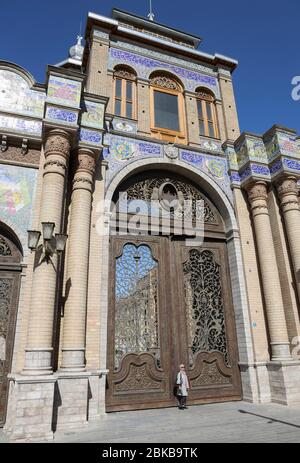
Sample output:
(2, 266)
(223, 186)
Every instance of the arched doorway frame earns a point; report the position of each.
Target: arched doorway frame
(226, 210)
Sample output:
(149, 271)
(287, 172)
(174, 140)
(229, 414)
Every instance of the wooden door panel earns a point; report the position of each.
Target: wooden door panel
(138, 350)
(208, 344)
(9, 291)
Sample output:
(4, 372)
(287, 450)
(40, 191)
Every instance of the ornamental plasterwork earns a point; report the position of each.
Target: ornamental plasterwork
(144, 67)
(167, 58)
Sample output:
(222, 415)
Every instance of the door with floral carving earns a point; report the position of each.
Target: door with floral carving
(10, 271)
(170, 302)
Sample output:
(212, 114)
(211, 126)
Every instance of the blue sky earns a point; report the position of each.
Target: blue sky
(263, 35)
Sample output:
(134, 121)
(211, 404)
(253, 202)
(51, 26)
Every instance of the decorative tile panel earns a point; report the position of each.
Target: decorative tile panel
(63, 115)
(64, 91)
(17, 189)
(215, 167)
(123, 125)
(91, 137)
(122, 151)
(22, 126)
(210, 145)
(287, 144)
(145, 66)
(92, 115)
(17, 97)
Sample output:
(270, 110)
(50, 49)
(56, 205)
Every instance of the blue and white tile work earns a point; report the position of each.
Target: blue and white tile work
(61, 115)
(214, 167)
(122, 151)
(90, 137)
(145, 66)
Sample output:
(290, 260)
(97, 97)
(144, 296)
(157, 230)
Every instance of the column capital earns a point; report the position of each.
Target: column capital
(257, 190)
(58, 142)
(287, 185)
(86, 160)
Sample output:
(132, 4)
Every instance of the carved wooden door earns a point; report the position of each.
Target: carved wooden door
(139, 353)
(205, 324)
(10, 257)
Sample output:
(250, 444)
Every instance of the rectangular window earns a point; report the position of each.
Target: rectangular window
(166, 112)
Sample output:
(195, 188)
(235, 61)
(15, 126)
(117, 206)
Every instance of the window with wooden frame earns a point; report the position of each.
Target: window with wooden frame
(167, 108)
(124, 92)
(207, 115)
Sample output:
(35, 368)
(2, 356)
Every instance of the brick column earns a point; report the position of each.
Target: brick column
(288, 194)
(38, 352)
(257, 194)
(74, 328)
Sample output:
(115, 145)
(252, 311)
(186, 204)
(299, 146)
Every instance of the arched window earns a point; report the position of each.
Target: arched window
(167, 108)
(124, 92)
(207, 116)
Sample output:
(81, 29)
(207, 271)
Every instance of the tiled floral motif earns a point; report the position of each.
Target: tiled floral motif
(16, 96)
(145, 66)
(122, 151)
(64, 91)
(242, 154)
(90, 136)
(257, 150)
(63, 115)
(17, 186)
(215, 167)
(92, 115)
(232, 159)
(273, 149)
(23, 126)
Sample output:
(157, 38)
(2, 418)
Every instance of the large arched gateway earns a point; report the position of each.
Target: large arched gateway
(170, 298)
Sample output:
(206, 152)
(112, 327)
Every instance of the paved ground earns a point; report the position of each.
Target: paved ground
(227, 422)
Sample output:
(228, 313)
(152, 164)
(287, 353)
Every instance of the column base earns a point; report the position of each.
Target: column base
(73, 359)
(280, 351)
(38, 362)
(30, 408)
(284, 382)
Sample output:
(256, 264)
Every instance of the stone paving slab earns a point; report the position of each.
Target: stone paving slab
(222, 422)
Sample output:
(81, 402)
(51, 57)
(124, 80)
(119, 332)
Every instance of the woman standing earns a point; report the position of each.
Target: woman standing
(183, 384)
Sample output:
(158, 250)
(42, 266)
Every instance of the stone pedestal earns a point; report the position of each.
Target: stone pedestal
(30, 409)
(71, 401)
(285, 382)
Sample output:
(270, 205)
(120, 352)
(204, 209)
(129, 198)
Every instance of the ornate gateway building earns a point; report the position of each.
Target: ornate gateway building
(94, 316)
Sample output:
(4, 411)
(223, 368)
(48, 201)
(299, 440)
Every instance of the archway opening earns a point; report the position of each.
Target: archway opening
(170, 297)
